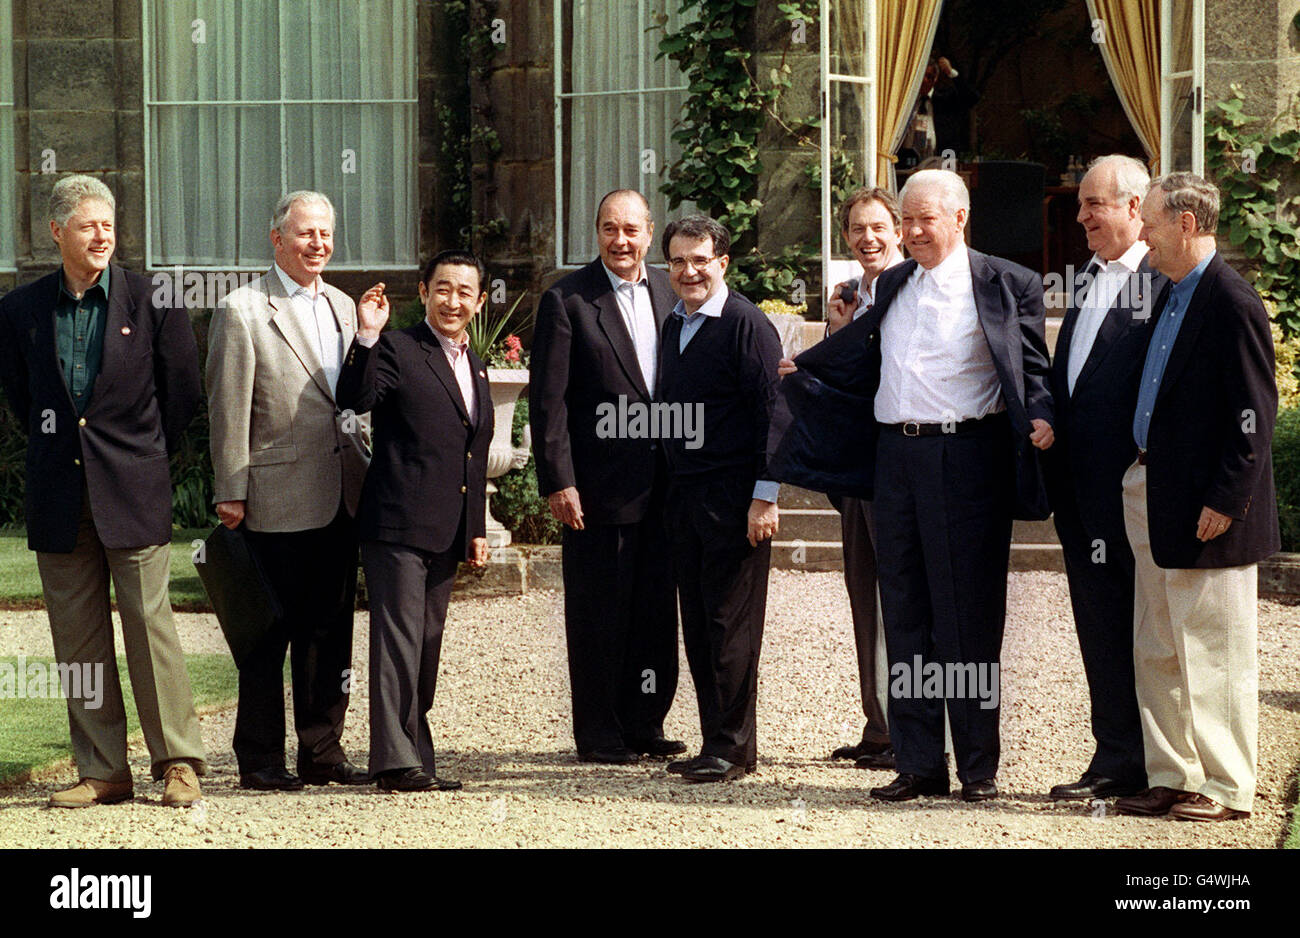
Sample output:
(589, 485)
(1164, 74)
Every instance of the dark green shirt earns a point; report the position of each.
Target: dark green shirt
(79, 337)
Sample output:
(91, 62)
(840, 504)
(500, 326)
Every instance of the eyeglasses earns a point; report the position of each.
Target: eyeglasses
(678, 264)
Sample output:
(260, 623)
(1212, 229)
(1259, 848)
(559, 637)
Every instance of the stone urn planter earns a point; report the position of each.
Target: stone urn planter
(506, 384)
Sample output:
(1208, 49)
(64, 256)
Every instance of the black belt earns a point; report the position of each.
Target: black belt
(912, 428)
(1142, 457)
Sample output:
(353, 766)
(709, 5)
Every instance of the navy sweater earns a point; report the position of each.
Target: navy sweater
(729, 367)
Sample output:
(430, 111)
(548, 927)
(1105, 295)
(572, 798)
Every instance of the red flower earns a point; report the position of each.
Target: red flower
(514, 344)
(512, 355)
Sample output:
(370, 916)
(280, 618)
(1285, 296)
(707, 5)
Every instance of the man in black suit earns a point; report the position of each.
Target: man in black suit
(1095, 374)
(595, 352)
(423, 503)
(952, 363)
(1200, 513)
(104, 380)
(718, 371)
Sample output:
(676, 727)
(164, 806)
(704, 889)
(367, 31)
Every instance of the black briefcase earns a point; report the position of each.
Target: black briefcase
(245, 604)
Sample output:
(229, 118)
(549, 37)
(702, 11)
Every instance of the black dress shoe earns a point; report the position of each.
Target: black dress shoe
(877, 760)
(345, 773)
(712, 769)
(1094, 786)
(681, 765)
(275, 778)
(985, 789)
(657, 748)
(414, 780)
(617, 755)
(863, 748)
(906, 787)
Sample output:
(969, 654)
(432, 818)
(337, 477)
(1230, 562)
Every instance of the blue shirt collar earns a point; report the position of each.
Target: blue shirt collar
(711, 307)
(102, 282)
(1183, 289)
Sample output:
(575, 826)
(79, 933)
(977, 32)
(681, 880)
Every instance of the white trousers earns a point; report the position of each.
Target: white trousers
(1194, 635)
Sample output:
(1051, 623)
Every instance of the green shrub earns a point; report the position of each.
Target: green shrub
(1286, 474)
(517, 504)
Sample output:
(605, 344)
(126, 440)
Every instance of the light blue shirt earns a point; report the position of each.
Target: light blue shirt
(712, 308)
(1161, 347)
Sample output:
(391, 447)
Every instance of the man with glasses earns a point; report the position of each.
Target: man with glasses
(718, 360)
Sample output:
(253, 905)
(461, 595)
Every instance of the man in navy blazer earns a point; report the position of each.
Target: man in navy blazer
(423, 504)
(595, 354)
(1095, 374)
(940, 393)
(1200, 512)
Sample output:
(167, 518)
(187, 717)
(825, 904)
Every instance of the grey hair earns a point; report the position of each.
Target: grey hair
(1188, 192)
(1131, 176)
(70, 191)
(305, 196)
(620, 193)
(953, 192)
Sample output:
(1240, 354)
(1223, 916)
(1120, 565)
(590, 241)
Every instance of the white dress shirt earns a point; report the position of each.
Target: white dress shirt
(639, 318)
(935, 363)
(1098, 297)
(314, 311)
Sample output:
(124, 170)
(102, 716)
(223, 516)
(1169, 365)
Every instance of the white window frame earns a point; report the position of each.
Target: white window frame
(282, 102)
(870, 145)
(1197, 91)
(8, 171)
(558, 8)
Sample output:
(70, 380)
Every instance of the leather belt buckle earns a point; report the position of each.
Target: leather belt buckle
(911, 428)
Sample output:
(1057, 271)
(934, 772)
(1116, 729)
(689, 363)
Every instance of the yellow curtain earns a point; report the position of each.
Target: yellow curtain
(1132, 56)
(904, 35)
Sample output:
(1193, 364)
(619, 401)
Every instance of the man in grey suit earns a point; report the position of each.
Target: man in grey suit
(289, 466)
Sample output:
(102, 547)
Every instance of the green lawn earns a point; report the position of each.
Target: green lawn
(20, 583)
(34, 731)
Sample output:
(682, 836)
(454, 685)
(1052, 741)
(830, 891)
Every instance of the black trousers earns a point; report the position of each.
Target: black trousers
(620, 623)
(408, 590)
(722, 588)
(1101, 595)
(943, 541)
(314, 574)
(857, 534)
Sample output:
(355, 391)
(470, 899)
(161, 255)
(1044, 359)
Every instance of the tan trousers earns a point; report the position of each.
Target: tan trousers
(1197, 677)
(76, 597)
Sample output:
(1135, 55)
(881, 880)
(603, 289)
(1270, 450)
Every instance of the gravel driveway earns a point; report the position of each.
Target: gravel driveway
(502, 725)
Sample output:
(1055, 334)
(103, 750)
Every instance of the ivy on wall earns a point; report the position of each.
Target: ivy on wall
(725, 112)
(1251, 161)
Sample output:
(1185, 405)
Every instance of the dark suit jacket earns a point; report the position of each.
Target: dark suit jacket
(582, 357)
(430, 456)
(1211, 434)
(824, 429)
(144, 397)
(1094, 426)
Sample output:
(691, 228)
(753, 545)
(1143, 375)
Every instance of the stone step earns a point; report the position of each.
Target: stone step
(822, 555)
(794, 497)
(810, 524)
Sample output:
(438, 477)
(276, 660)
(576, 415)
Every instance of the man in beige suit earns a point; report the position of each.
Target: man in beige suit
(289, 467)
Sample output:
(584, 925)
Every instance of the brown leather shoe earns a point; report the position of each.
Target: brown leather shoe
(90, 791)
(1154, 802)
(1201, 808)
(182, 786)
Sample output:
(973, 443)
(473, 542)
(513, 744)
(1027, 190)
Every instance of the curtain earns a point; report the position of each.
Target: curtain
(8, 223)
(272, 101)
(620, 136)
(904, 34)
(1132, 56)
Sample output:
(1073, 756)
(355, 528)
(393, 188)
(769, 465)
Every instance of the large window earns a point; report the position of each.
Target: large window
(248, 99)
(615, 104)
(8, 224)
(1182, 84)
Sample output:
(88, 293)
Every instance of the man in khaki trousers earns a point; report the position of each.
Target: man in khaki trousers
(1200, 513)
(104, 381)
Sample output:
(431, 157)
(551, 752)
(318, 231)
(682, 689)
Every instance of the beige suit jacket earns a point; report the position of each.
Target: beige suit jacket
(279, 443)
